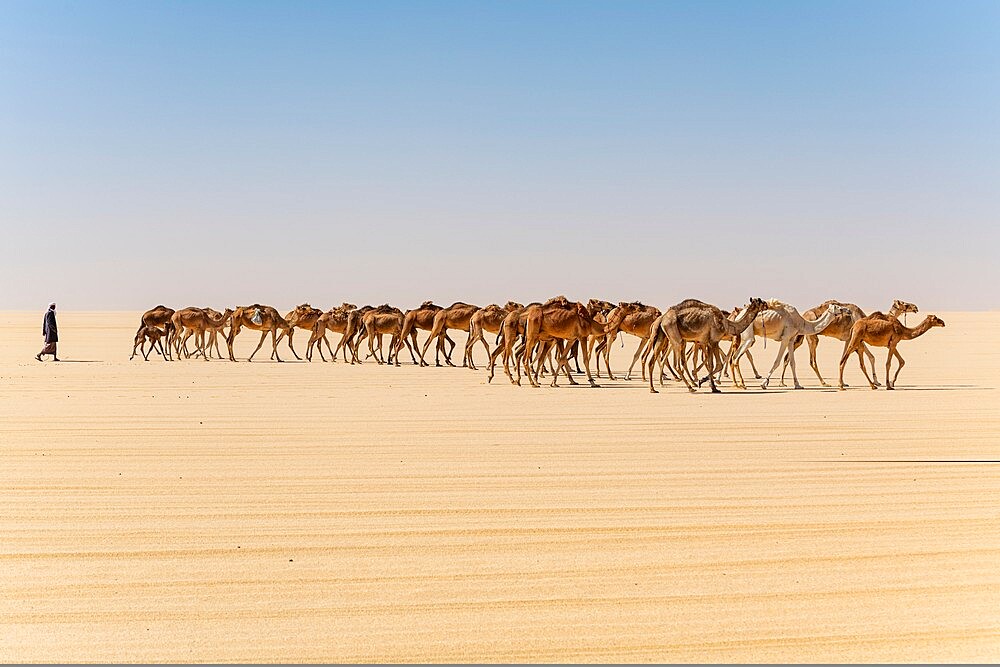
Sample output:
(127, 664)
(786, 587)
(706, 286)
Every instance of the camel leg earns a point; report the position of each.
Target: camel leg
(586, 366)
(161, 352)
(263, 335)
(813, 343)
(138, 343)
(469, 343)
(888, 365)
(656, 342)
(274, 343)
(777, 360)
(795, 377)
(451, 343)
(899, 357)
(291, 332)
(638, 352)
(680, 359)
(333, 357)
(871, 362)
(435, 332)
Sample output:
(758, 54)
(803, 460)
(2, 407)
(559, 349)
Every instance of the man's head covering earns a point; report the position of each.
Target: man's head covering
(52, 306)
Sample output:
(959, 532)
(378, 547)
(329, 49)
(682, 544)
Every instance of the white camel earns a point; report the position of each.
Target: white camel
(783, 323)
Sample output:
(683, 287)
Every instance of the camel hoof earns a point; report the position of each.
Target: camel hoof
(824, 384)
(653, 391)
(842, 387)
(888, 388)
(763, 385)
(757, 377)
(798, 386)
(594, 385)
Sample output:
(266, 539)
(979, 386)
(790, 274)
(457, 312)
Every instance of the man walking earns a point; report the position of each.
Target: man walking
(51, 333)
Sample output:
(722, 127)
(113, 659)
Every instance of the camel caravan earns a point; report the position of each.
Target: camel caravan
(682, 344)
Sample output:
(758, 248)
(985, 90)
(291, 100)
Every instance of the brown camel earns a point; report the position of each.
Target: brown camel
(153, 335)
(488, 319)
(841, 330)
(385, 320)
(197, 322)
(264, 319)
(333, 320)
(215, 324)
(354, 333)
(511, 329)
(887, 333)
(456, 316)
(702, 324)
(599, 310)
(634, 318)
(422, 317)
(303, 317)
(158, 317)
(558, 323)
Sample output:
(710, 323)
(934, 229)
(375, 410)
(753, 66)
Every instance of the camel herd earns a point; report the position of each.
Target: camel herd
(682, 343)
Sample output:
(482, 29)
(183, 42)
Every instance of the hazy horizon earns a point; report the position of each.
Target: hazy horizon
(229, 153)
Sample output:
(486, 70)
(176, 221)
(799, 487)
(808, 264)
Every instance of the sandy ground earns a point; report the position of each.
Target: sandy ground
(295, 512)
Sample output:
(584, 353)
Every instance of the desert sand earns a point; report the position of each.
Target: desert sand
(212, 511)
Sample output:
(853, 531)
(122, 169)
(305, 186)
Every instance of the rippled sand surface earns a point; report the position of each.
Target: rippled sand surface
(300, 512)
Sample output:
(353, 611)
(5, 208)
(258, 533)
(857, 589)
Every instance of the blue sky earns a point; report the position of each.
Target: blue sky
(221, 153)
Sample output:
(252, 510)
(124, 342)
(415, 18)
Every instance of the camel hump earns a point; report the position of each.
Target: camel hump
(557, 300)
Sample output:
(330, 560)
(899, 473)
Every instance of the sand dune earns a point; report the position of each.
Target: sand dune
(301, 512)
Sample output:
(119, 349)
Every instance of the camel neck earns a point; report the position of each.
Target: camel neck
(919, 330)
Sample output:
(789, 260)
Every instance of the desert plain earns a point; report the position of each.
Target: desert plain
(297, 512)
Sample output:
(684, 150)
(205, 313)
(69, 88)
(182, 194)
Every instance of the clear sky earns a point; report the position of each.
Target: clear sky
(219, 153)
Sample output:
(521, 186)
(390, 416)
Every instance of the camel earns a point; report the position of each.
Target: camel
(781, 322)
(422, 317)
(354, 332)
(558, 323)
(701, 323)
(878, 332)
(386, 320)
(215, 324)
(158, 317)
(334, 320)
(153, 335)
(456, 316)
(303, 317)
(511, 329)
(197, 322)
(633, 318)
(185, 323)
(599, 310)
(264, 319)
(488, 319)
(840, 329)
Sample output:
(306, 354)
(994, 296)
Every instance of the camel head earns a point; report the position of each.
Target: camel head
(905, 307)
(757, 305)
(935, 321)
(428, 304)
(596, 305)
(511, 306)
(347, 306)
